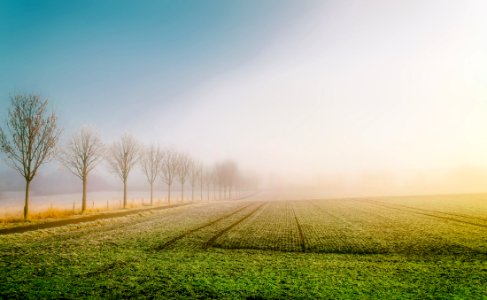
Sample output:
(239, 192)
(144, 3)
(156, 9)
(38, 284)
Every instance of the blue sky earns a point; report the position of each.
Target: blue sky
(120, 56)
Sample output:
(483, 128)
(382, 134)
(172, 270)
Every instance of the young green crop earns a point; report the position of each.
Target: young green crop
(352, 249)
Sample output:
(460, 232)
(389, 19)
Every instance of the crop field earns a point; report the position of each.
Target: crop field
(408, 247)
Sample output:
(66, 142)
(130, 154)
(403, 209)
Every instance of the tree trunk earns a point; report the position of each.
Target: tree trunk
(208, 192)
(192, 193)
(151, 192)
(182, 192)
(125, 193)
(169, 194)
(26, 205)
(83, 198)
(201, 189)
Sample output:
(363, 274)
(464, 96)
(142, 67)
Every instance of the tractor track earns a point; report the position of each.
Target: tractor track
(423, 212)
(212, 240)
(188, 232)
(300, 230)
(431, 211)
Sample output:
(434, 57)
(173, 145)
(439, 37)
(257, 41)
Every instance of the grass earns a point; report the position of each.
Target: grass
(16, 219)
(50, 213)
(353, 249)
(244, 274)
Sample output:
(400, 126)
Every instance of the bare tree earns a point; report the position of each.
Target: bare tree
(184, 163)
(30, 139)
(226, 175)
(219, 179)
(150, 160)
(122, 158)
(169, 169)
(208, 178)
(201, 179)
(82, 154)
(230, 175)
(194, 176)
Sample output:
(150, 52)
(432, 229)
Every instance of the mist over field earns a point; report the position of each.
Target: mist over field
(244, 149)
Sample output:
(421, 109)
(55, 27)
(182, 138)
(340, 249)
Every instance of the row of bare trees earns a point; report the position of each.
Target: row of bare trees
(31, 139)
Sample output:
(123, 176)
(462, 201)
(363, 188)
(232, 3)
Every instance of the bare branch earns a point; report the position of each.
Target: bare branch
(83, 152)
(31, 136)
(151, 162)
(184, 165)
(194, 172)
(123, 156)
(169, 166)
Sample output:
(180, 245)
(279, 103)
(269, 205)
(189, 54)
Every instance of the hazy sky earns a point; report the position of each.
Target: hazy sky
(316, 92)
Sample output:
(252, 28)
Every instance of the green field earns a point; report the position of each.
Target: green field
(416, 247)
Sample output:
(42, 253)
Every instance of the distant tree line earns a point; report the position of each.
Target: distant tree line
(31, 138)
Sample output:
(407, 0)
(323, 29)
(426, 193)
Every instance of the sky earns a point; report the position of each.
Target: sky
(354, 97)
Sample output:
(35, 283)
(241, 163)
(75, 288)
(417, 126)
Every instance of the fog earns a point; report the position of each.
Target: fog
(344, 98)
(359, 98)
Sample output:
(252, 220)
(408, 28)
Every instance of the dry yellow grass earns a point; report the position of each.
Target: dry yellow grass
(55, 213)
(50, 213)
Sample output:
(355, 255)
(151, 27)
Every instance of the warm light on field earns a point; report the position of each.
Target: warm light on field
(212, 149)
(381, 247)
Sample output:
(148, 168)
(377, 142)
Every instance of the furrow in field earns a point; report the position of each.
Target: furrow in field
(328, 232)
(467, 206)
(212, 240)
(400, 233)
(197, 239)
(403, 232)
(140, 231)
(271, 228)
(143, 232)
(301, 234)
(470, 218)
(190, 231)
(428, 213)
